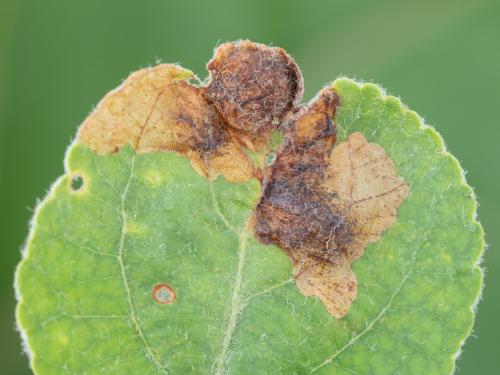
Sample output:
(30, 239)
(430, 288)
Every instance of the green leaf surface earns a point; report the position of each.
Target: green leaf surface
(96, 252)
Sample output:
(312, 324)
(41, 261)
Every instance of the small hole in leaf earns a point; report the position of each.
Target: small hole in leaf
(77, 182)
(163, 294)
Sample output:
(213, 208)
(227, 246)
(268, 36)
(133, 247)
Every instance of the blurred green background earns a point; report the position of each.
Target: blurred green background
(58, 58)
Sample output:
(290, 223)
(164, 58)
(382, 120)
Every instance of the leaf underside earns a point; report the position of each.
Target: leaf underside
(95, 254)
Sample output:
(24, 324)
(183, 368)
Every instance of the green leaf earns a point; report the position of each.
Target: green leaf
(97, 251)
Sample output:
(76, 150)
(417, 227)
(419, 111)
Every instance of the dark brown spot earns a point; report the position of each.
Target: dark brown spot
(253, 86)
(163, 294)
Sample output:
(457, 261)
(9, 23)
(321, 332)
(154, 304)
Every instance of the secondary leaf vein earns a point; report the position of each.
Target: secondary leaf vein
(370, 325)
(133, 316)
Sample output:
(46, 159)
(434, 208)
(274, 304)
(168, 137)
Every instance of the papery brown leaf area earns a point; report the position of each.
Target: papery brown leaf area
(252, 89)
(321, 203)
(255, 88)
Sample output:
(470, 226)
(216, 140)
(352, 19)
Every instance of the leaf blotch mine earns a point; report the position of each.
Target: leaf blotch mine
(251, 90)
(163, 294)
(321, 202)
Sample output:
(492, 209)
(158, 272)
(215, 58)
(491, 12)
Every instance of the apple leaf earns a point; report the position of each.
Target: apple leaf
(140, 261)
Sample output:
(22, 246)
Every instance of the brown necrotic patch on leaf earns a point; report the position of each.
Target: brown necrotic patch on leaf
(121, 115)
(294, 208)
(253, 86)
(155, 110)
(323, 204)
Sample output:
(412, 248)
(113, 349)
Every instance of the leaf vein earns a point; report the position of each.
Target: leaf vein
(235, 308)
(133, 316)
(374, 321)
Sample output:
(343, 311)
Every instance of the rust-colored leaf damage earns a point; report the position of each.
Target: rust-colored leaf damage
(252, 88)
(321, 203)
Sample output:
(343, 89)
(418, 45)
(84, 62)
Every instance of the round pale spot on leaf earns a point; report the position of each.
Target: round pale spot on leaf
(163, 294)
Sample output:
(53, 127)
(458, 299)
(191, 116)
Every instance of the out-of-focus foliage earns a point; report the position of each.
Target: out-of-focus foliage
(57, 58)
